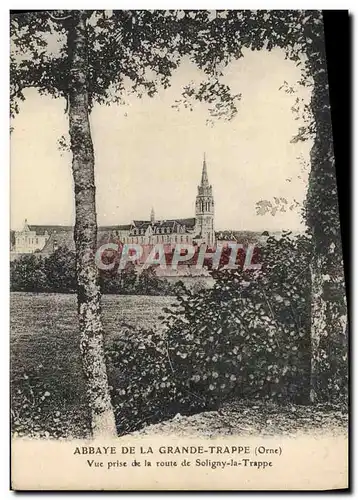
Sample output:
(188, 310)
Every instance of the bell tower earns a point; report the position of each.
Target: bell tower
(204, 208)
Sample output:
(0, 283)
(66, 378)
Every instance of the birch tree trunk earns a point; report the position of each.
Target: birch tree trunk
(88, 292)
(318, 323)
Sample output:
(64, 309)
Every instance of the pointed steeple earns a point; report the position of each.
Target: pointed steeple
(204, 174)
(152, 215)
(204, 208)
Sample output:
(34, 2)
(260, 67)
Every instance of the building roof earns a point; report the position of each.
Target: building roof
(121, 227)
(246, 237)
(59, 239)
(189, 223)
(66, 239)
(41, 230)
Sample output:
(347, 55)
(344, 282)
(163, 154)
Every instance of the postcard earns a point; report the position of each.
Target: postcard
(178, 307)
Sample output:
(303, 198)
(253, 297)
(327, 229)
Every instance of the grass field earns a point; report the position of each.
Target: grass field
(45, 359)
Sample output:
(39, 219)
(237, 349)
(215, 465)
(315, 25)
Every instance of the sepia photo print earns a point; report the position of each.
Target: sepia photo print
(178, 307)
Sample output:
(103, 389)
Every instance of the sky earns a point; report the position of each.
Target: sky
(150, 155)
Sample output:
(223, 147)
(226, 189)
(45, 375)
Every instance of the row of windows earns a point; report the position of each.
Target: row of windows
(28, 241)
(160, 230)
(157, 239)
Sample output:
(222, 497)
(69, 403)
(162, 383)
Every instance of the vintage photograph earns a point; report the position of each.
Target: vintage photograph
(176, 263)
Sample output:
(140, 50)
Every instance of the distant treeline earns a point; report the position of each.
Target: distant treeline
(57, 273)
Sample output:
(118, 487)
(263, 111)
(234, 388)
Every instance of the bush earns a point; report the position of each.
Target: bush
(27, 274)
(247, 337)
(143, 387)
(60, 270)
(57, 273)
(129, 282)
(43, 407)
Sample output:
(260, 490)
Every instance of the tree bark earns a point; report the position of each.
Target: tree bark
(318, 324)
(85, 234)
(329, 369)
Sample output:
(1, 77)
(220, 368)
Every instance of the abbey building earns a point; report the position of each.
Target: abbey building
(195, 230)
(198, 229)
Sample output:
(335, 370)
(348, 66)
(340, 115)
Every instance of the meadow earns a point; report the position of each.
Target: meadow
(46, 373)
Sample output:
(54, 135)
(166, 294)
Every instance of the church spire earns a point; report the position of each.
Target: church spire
(204, 208)
(204, 174)
(152, 215)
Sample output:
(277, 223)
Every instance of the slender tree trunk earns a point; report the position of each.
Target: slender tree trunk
(88, 292)
(329, 368)
(318, 323)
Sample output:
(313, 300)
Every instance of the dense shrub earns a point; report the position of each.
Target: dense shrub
(144, 389)
(27, 274)
(57, 273)
(332, 349)
(246, 337)
(33, 273)
(249, 335)
(60, 270)
(130, 282)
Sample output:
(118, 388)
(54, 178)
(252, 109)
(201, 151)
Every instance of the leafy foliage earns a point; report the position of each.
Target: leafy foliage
(27, 274)
(57, 273)
(249, 335)
(247, 338)
(138, 50)
(33, 273)
(131, 282)
(60, 270)
(39, 408)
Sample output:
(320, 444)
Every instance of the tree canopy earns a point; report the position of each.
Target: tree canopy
(140, 49)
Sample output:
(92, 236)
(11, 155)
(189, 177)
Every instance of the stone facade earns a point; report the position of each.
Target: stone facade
(31, 239)
(198, 229)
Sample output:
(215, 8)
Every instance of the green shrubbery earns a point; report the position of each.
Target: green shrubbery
(57, 273)
(248, 337)
(33, 273)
